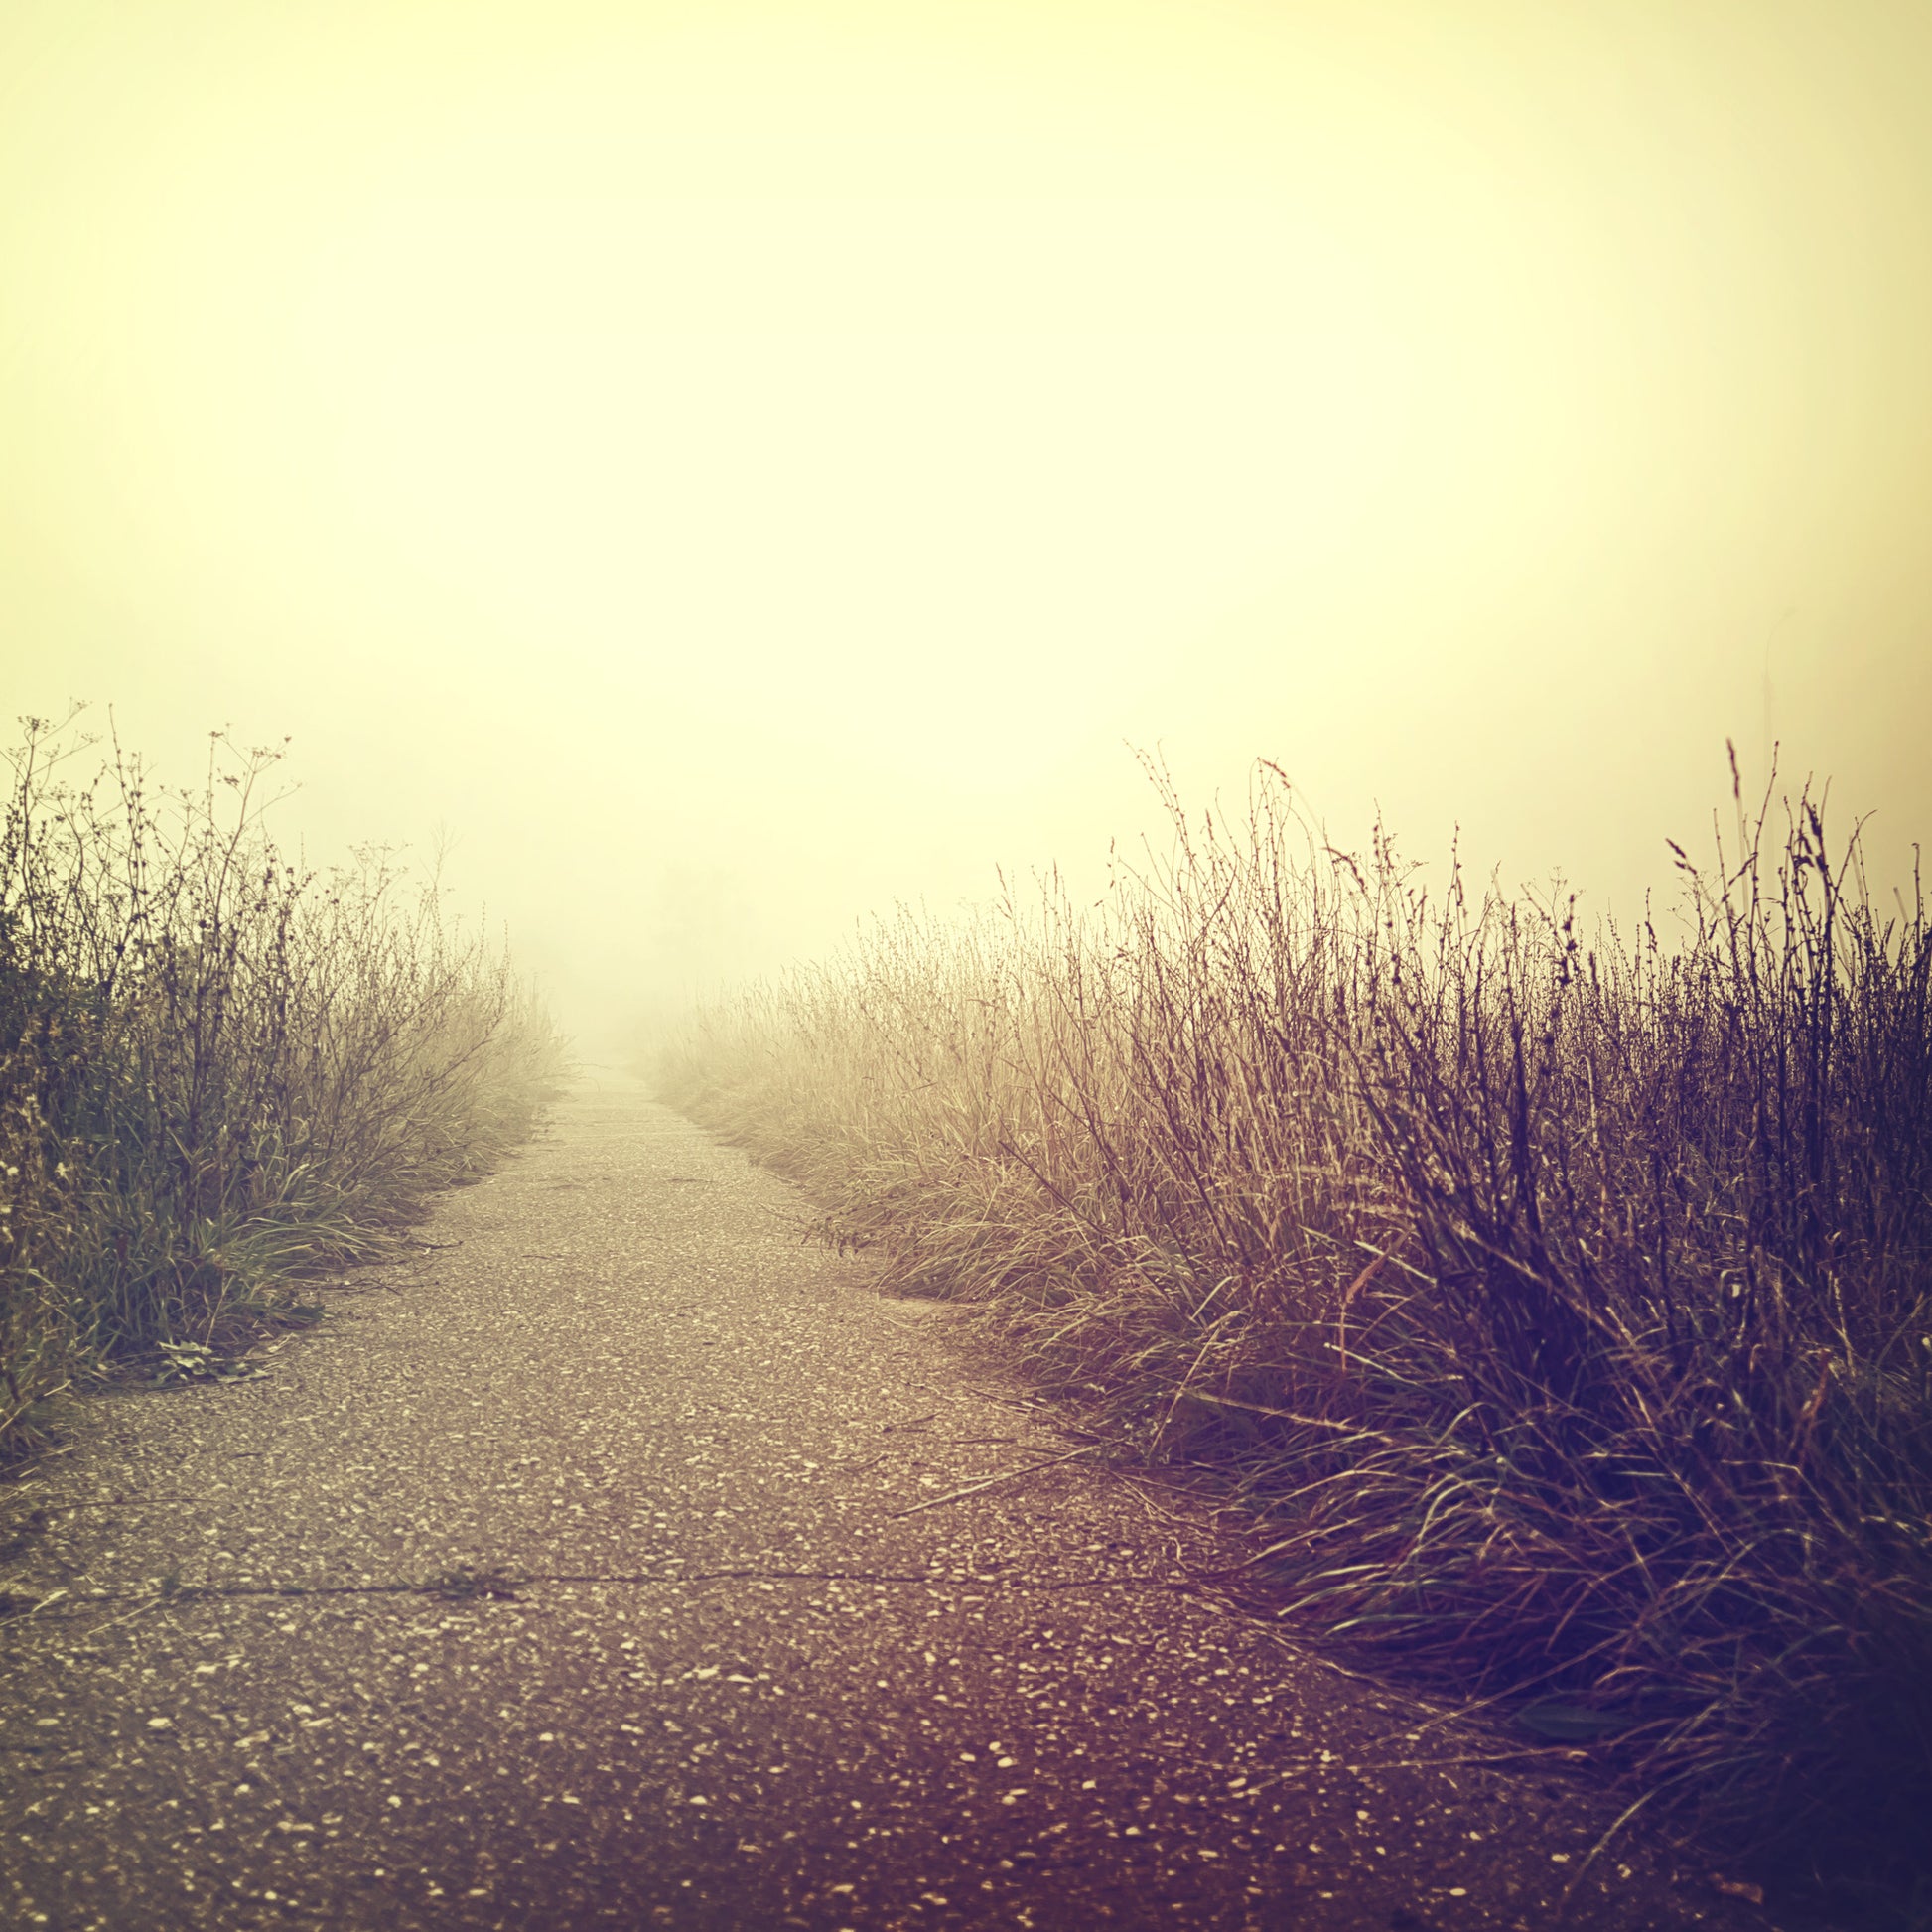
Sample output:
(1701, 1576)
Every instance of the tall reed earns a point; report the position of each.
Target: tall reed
(1562, 1304)
(218, 1069)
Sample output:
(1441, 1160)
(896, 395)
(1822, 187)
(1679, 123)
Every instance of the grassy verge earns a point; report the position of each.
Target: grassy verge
(1561, 1304)
(218, 1070)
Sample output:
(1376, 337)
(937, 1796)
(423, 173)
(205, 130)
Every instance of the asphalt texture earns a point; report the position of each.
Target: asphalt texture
(607, 1562)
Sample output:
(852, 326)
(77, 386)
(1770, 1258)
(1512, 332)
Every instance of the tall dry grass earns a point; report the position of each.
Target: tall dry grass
(1561, 1304)
(218, 1070)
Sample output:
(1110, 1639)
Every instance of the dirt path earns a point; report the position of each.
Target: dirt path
(750, 1661)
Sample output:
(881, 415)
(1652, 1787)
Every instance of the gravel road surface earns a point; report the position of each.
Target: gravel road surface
(607, 1564)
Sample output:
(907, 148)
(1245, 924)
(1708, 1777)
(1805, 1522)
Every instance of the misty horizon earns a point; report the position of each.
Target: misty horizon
(724, 475)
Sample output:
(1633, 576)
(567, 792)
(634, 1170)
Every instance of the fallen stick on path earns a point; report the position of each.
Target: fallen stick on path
(1012, 1475)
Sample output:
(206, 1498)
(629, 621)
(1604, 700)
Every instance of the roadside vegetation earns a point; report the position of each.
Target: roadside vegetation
(1559, 1300)
(220, 1070)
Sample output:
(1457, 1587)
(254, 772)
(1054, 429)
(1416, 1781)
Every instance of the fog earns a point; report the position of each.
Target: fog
(727, 469)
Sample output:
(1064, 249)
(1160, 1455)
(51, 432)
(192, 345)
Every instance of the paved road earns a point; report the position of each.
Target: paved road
(605, 1566)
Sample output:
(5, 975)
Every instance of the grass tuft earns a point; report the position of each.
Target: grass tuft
(219, 1070)
(1560, 1305)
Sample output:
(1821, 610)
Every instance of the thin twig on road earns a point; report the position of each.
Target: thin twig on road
(1012, 1475)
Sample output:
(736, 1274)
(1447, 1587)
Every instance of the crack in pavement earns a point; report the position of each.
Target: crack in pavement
(505, 1583)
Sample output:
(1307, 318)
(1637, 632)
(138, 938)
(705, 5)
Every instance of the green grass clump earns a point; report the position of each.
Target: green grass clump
(218, 1070)
(1561, 1307)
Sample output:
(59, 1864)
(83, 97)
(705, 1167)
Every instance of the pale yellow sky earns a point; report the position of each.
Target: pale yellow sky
(736, 465)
